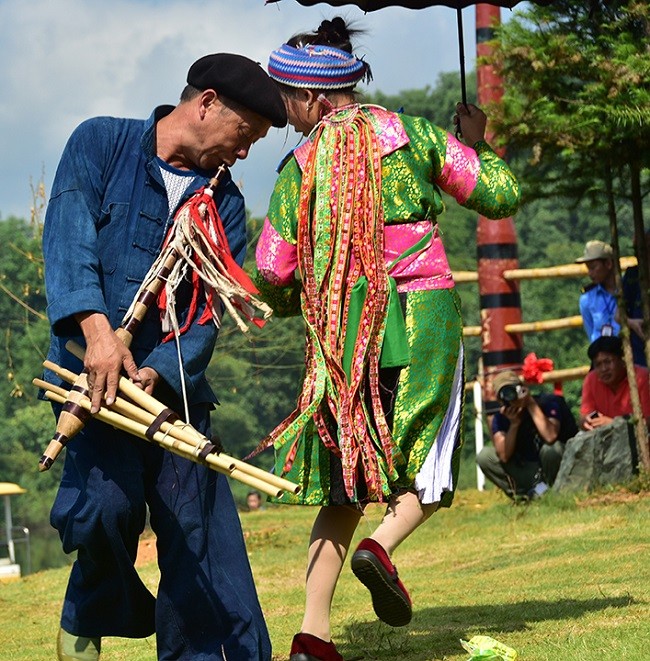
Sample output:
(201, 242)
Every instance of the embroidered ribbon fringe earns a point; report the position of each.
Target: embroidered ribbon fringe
(340, 217)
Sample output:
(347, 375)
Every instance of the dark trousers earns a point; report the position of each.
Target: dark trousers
(206, 606)
(517, 477)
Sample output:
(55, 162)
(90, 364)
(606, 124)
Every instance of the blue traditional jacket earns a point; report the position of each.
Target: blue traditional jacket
(105, 224)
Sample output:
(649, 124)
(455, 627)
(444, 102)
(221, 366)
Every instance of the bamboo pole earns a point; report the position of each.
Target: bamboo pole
(640, 427)
(561, 271)
(547, 324)
(471, 331)
(568, 374)
(465, 276)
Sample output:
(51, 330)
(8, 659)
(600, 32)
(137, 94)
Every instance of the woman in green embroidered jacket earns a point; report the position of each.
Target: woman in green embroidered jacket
(351, 242)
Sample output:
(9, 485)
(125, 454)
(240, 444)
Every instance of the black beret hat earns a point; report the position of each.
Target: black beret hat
(241, 80)
(607, 344)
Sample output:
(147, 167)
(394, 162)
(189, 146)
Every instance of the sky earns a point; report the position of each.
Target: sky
(68, 60)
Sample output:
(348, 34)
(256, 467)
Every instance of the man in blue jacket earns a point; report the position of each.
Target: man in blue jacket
(117, 187)
(597, 302)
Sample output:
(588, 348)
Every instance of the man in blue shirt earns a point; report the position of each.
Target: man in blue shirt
(598, 300)
(117, 187)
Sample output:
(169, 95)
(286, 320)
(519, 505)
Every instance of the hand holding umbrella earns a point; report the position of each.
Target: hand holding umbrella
(470, 121)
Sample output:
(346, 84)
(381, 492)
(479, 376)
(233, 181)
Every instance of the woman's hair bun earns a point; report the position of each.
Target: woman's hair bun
(329, 33)
(334, 31)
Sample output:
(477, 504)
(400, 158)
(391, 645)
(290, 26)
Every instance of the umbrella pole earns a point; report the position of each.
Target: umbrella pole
(461, 52)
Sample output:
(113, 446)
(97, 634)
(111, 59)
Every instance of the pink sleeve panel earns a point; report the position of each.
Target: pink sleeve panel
(460, 171)
(277, 259)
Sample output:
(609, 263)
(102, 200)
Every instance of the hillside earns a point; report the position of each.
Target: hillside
(563, 578)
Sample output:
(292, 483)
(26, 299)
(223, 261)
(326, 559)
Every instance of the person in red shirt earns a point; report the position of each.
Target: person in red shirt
(606, 390)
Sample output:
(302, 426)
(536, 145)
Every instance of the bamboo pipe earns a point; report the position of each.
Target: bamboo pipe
(178, 447)
(574, 321)
(124, 423)
(178, 429)
(72, 420)
(151, 404)
(148, 297)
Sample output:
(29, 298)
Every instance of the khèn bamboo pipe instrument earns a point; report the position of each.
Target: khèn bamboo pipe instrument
(179, 428)
(145, 409)
(72, 418)
(218, 462)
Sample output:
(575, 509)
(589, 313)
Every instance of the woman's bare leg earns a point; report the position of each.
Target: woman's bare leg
(403, 515)
(330, 540)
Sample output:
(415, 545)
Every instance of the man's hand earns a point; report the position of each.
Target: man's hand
(148, 379)
(599, 420)
(471, 121)
(106, 357)
(513, 411)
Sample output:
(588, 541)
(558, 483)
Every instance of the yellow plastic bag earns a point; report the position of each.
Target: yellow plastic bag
(484, 648)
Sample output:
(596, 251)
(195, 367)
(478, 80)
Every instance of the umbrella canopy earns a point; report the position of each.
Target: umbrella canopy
(373, 5)
(458, 5)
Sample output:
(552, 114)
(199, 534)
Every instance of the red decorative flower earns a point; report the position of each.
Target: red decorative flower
(534, 368)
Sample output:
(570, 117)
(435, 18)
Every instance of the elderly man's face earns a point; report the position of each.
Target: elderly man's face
(599, 269)
(228, 134)
(610, 368)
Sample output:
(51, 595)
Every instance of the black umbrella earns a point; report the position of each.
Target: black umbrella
(458, 5)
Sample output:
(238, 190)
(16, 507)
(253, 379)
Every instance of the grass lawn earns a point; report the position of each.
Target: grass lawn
(563, 578)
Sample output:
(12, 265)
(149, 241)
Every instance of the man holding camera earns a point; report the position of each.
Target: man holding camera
(528, 435)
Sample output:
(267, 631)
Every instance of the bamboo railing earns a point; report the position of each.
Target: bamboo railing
(560, 271)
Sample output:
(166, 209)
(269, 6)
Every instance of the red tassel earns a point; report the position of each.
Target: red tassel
(220, 248)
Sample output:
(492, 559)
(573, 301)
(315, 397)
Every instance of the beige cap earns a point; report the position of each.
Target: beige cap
(506, 378)
(596, 250)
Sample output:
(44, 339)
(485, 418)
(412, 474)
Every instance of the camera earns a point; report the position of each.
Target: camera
(510, 393)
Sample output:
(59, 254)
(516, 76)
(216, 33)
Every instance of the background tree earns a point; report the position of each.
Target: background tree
(576, 110)
(28, 423)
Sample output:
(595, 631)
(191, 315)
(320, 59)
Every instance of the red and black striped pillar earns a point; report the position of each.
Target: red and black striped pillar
(496, 240)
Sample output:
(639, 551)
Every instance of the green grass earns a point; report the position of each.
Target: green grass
(560, 579)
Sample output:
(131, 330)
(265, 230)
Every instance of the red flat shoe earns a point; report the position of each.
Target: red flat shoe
(306, 647)
(390, 600)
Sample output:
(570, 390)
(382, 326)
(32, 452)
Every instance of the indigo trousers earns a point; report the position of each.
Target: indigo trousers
(206, 606)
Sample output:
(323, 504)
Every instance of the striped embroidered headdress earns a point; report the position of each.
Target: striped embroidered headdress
(316, 67)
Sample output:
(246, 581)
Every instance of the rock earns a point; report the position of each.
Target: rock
(592, 459)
